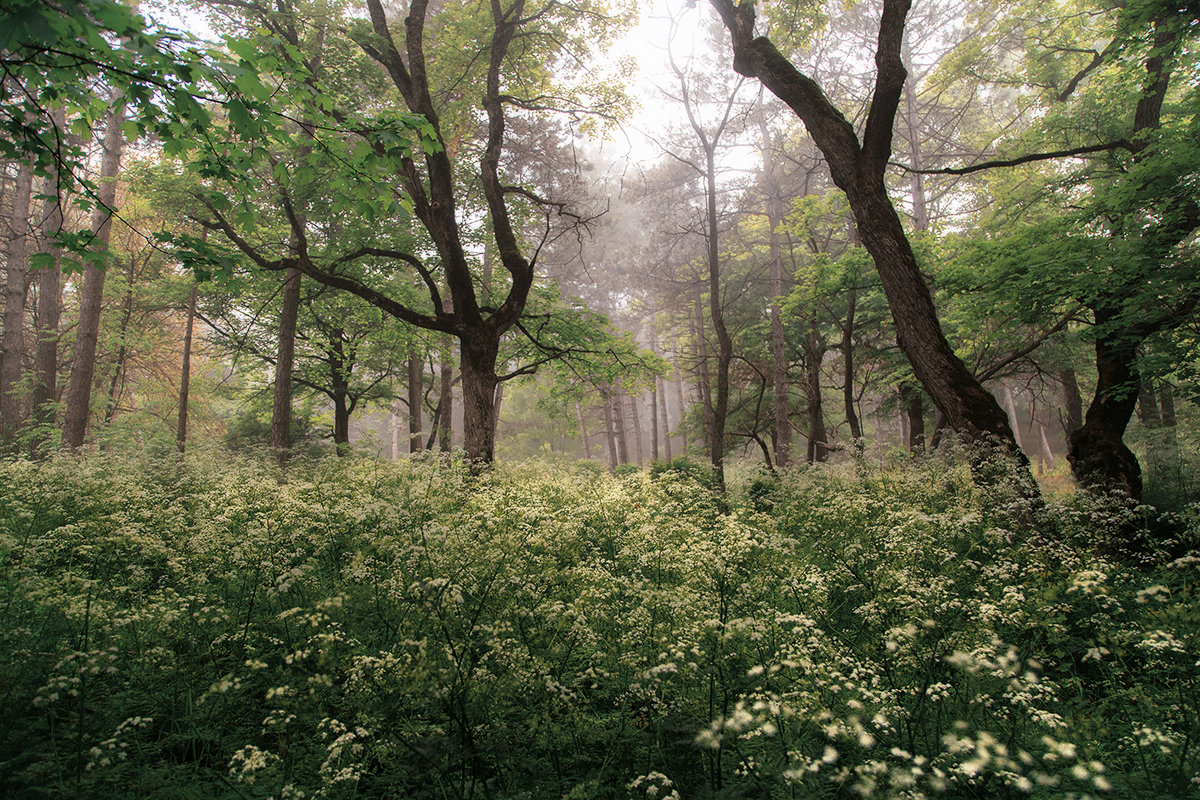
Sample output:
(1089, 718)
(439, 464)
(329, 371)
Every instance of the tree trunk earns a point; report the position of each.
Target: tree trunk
(635, 418)
(618, 415)
(117, 384)
(339, 383)
(91, 296)
(814, 348)
(1147, 406)
(702, 376)
(281, 407)
(858, 169)
(16, 289)
(847, 348)
(654, 421)
(666, 420)
(341, 422)
(1099, 457)
(679, 396)
(478, 354)
(720, 409)
(446, 418)
(779, 365)
(912, 404)
(1010, 405)
(49, 310)
(415, 393)
(1073, 402)
(610, 438)
(185, 379)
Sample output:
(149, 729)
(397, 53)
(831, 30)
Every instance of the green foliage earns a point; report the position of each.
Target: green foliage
(193, 627)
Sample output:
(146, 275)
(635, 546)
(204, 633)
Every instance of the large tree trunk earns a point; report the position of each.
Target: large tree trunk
(185, 378)
(281, 407)
(16, 289)
(479, 352)
(91, 296)
(858, 169)
(1099, 457)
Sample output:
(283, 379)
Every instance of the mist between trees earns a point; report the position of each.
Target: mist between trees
(403, 228)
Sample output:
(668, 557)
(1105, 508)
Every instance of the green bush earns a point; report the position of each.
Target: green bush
(197, 628)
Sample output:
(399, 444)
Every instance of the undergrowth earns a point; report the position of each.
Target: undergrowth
(198, 628)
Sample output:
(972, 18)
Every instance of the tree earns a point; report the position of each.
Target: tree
(430, 180)
(858, 168)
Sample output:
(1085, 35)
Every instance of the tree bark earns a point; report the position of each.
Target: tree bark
(16, 290)
(49, 311)
(618, 416)
(635, 418)
(185, 378)
(858, 169)
(446, 417)
(281, 406)
(666, 420)
(610, 438)
(1072, 401)
(654, 421)
(116, 385)
(415, 391)
(1099, 457)
(814, 350)
(679, 399)
(91, 296)
(479, 381)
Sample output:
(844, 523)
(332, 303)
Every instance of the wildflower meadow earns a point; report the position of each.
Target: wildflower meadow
(200, 627)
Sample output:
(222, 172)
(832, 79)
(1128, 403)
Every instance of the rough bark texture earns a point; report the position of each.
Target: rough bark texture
(91, 296)
(858, 169)
(1099, 457)
(479, 382)
(16, 289)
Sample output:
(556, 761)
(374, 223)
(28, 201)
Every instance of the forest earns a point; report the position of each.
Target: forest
(600, 399)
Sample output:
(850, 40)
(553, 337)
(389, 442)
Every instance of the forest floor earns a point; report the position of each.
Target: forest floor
(197, 627)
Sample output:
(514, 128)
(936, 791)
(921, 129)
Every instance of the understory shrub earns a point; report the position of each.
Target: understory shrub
(197, 628)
